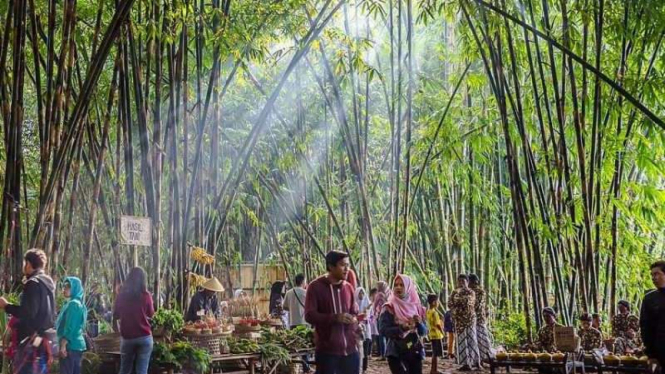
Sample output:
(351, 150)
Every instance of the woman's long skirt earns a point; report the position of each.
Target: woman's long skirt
(467, 347)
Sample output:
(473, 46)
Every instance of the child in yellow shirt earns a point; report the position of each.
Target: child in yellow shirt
(435, 327)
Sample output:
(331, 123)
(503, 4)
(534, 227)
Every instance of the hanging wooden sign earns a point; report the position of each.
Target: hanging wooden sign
(136, 231)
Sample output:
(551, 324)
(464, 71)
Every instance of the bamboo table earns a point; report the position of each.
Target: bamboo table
(630, 369)
(569, 364)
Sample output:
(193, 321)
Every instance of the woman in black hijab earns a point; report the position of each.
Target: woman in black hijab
(277, 292)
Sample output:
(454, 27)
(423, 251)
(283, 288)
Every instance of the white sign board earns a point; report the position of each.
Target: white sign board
(135, 231)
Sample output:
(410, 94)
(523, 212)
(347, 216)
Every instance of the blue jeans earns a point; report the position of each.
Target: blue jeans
(135, 353)
(333, 364)
(382, 345)
(72, 363)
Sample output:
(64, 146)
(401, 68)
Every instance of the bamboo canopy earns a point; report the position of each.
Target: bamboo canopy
(521, 141)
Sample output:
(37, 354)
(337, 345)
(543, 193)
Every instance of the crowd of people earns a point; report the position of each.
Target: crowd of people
(349, 322)
(39, 335)
(629, 334)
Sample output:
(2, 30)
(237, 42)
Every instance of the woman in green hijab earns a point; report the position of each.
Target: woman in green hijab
(69, 325)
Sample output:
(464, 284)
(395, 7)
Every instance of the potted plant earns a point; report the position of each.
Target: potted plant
(165, 322)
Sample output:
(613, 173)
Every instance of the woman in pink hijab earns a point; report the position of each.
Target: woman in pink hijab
(402, 324)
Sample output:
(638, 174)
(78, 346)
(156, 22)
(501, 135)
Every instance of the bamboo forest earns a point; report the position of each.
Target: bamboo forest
(521, 142)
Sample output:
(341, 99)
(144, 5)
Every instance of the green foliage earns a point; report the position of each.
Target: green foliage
(170, 320)
(90, 363)
(162, 356)
(509, 329)
(190, 357)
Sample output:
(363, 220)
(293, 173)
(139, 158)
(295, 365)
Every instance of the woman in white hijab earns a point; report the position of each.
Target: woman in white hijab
(365, 346)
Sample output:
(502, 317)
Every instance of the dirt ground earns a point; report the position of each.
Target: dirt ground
(445, 366)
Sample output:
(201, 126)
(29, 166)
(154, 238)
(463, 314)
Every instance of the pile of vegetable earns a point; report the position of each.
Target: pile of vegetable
(170, 321)
(242, 346)
(299, 338)
(180, 355)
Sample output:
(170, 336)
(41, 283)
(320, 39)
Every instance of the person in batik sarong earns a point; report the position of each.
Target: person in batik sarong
(482, 332)
(462, 303)
(590, 338)
(546, 333)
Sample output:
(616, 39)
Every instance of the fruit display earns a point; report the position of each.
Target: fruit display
(530, 357)
(272, 322)
(558, 357)
(245, 325)
(544, 357)
(207, 326)
(629, 360)
(611, 359)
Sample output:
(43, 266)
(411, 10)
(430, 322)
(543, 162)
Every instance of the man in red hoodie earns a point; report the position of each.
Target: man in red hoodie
(331, 309)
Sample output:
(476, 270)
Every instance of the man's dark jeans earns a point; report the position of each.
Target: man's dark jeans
(333, 364)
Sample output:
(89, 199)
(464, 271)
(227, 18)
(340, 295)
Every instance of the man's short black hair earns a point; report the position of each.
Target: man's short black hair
(473, 278)
(333, 257)
(36, 258)
(585, 317)
(300, 278)
(463, 276)
(658, 264)
(595, 315)
(373, 291)
(432, 298)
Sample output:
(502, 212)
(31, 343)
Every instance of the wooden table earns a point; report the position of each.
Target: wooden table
(569, 364)
(631, 369)
(249, 361)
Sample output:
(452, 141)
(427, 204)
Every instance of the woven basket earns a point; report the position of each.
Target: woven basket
(208, 342)
(107, 343)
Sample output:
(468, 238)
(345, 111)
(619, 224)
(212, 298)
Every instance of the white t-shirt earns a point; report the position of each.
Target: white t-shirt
(294, 301)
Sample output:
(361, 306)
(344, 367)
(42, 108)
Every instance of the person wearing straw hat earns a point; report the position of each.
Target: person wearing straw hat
(205, 301)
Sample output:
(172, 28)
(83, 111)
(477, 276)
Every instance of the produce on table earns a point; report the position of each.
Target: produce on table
(544, 357)
(249, 322)
(629, 360)
(558, 357)
(299, 338)
(242, 346)
(611, 359)
(208, 326)
(274, 353)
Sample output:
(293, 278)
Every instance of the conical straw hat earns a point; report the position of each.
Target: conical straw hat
(213, 284)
